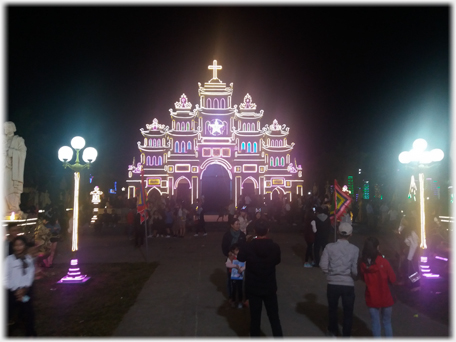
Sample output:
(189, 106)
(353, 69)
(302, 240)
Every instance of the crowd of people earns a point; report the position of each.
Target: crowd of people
(250, 255)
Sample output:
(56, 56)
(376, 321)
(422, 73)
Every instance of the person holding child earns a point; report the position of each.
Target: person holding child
(234, 235)
(261, 255)
(236, 271)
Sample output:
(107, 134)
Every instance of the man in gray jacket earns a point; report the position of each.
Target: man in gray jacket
(339, 262)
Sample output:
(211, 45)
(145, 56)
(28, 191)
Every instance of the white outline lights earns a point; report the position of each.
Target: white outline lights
(215, 132)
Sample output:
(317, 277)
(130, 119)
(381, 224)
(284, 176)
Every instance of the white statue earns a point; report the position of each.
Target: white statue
(14, 151)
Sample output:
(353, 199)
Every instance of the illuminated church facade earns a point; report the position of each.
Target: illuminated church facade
(217, 150)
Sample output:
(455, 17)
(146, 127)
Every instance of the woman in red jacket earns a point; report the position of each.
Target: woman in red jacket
(377, 273)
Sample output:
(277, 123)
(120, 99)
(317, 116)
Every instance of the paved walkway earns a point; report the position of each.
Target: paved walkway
(186, 295)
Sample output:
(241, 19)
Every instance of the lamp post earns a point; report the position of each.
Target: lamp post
(421, 159)
(89, 155)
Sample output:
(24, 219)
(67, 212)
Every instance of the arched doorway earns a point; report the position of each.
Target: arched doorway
(154, 195)
(216, 185)
(248, 187)
(183, 190)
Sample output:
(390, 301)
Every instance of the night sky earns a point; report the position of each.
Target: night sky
(360, 80)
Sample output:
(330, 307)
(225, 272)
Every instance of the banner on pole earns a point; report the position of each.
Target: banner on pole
(341, 203)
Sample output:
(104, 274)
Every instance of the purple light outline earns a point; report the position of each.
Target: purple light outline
(441, 258)
(431, 275)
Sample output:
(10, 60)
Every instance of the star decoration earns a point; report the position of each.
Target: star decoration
(216, 126)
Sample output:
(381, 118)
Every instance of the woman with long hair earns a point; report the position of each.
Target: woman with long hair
(378, 274)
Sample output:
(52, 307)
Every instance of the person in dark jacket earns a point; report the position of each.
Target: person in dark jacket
(323, 225)
(232, 236)
(261, 256)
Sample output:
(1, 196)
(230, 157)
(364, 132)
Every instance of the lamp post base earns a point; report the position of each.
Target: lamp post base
(74, 275)
(73, 280)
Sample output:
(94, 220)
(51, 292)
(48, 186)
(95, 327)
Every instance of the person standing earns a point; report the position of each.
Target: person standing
(377, 273)
(339, 262)
(370, 216)
(131, 224)
(19, 274)
(201, 225)
(50, 222)
(243, 221)
(261, 256)
(309, 237)
(234, 235)
(231, 210)
(323, 225)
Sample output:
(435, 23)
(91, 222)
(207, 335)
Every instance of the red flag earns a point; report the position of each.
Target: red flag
(341, 202)
(141, 202)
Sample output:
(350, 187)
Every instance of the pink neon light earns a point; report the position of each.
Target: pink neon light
(425, 270)
(431, 275)
(74, 262)
(424, 266)
(424, 259)
(441, 258)
(73, 269)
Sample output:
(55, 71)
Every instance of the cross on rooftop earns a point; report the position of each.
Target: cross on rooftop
(214, 68)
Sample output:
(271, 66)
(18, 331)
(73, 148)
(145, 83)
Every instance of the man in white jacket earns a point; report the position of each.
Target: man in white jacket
(339, 262)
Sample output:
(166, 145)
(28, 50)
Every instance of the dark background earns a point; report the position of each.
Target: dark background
(356, 84)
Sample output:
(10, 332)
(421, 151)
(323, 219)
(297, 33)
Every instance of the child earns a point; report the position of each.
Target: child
(235, 269)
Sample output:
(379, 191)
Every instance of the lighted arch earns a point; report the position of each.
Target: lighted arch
(159, 142)
(176, 147)
(208, 103)
(145, 141)
(243, 126)
(189, 146)
(178, 126)
(182, 178)
(218, 161)
(277, 189)
(154, 160)
(255, 183)
(216, 103)
(249, 145)
(183, 147)
(282, 161)
(188, 126)
(152, 188)
(243, 146)
(222, 103)
(272, 161)
(277, 161)
(148, 160)
(160, 162)
(254, 147)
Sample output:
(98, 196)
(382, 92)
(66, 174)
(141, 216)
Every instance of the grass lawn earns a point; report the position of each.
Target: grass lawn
(94, 308)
